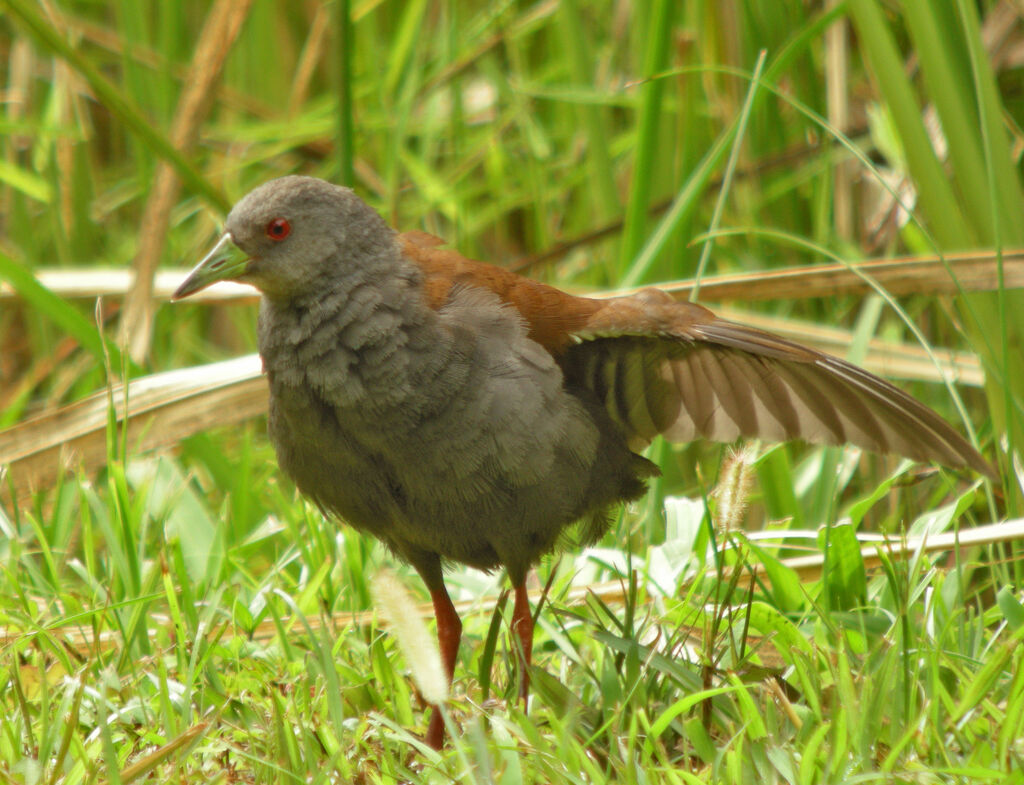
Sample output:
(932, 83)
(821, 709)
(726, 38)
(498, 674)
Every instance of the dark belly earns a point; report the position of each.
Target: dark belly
(415, 494)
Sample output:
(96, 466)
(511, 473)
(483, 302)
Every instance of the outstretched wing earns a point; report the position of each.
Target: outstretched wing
(673, 368)
(694, 375)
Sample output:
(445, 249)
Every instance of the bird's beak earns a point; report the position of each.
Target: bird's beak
(225, 262)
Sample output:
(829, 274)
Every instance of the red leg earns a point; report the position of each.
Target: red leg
(522, 625)
(449, 633)
(449, 629)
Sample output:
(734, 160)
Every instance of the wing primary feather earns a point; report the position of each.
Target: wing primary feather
(721, 380)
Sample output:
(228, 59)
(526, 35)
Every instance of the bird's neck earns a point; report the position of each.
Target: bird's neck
(360, 340)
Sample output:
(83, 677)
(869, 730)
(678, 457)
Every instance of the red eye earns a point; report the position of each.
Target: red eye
(278, 229)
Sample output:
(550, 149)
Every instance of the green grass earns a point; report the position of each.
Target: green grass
(186, 616)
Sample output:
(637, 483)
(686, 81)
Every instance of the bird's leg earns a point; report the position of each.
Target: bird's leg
(449, 629)
(522, 626)
(449, 633)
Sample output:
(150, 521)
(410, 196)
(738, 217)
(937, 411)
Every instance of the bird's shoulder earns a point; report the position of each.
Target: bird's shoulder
(555, 319)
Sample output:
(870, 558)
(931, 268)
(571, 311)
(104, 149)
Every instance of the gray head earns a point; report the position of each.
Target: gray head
(290, 236)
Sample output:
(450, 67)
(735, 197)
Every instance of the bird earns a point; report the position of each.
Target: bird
(462, 413)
